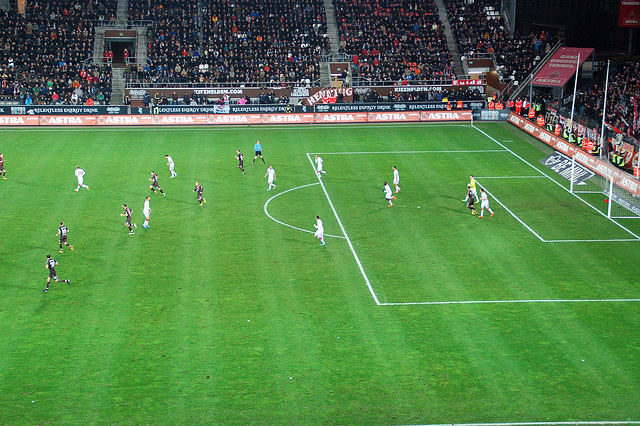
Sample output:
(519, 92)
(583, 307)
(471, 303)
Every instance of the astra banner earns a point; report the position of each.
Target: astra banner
(629, 16)
(561, 67)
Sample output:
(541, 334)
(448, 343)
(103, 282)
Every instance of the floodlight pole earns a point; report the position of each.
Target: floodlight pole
(604, 110)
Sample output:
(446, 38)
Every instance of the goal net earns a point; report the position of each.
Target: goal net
(622, 203)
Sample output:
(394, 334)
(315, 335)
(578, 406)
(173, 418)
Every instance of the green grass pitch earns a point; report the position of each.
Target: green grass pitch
(419, 313)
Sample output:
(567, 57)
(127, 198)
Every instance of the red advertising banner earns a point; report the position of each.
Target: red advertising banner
(68, 120)
(287, 118)
(620, 177)
(19, 120)
(230, 119)
(629, 16)
(557, 71)
(445, 116)
(354, 117)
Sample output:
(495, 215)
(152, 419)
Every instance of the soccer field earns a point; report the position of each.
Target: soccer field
(233, 313)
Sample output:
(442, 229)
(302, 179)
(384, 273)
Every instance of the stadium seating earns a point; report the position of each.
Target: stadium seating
(393, 40)
(479, 28)
(50, 53)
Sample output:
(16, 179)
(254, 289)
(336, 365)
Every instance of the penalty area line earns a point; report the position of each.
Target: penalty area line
(286, 224)
(576, 423)
(344, 232)
(414, 152)
(489, 302)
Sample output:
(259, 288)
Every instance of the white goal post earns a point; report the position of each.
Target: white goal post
(621, 192)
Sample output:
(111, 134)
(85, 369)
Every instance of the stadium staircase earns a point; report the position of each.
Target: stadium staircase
(451, 40)
(122, 15)
(332, 33)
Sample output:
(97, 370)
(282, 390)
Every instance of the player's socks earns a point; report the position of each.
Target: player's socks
(264, 161)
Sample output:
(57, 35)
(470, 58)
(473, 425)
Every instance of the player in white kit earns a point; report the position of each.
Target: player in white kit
(396, 179)
(171, 165)
(146, 210)
(271, 176)
(484, 203)
(319, 230)
(388, 194)
(319, 161)
(80, 175)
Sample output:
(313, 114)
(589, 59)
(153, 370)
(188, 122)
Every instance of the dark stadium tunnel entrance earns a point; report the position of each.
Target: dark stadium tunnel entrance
(118, 48)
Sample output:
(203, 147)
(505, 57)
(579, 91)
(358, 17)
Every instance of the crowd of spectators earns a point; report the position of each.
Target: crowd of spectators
(393, 40)
(623, 99)
(172, 50)
(478, 28)
(46, 55)
(242, 41)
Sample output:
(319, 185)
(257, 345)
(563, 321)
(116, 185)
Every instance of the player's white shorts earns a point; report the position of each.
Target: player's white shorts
(319, 233)
(484, 204)
(269, 181)
(146, 214)
(396, 182)
(80, 180)
(171, 166)
(319, 167)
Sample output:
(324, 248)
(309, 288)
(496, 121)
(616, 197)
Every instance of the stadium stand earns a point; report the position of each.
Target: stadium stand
(623, 93)
(45, 58)
(242, 42)
(479, 28)
(173, 54)
(393, 41)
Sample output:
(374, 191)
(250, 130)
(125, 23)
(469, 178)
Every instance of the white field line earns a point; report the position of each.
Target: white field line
(489, 302)
(218, 127)
(353, 251)
(513, 214)
(511, 177)
(568, 423)
(413, 152)
(286, 224)
(554, 181)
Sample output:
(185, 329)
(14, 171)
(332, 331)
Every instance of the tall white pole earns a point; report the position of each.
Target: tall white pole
(604, 110)
(610, 197)
(575, 89)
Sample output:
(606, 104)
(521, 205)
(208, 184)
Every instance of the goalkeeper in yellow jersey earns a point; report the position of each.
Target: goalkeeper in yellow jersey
(472, 188)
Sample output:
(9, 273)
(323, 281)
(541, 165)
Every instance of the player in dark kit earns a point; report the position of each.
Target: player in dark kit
(470, 200)
(62, 232)
(127, 214)
(154, 184)
(240, 159)
(3, 172)
(198, 191)
(51, 266)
